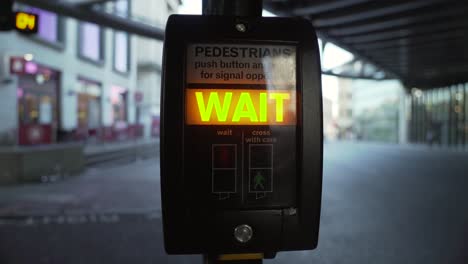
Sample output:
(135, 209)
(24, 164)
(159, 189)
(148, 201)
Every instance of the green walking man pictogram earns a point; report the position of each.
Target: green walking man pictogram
(259, 181)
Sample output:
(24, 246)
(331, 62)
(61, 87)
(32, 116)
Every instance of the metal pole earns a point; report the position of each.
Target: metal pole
(214, 259)
(241, 8)
(238, 8)
(6, 15)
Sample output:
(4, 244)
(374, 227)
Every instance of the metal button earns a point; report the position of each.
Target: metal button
(243, 233)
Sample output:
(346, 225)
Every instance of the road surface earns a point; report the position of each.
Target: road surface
(381, 204)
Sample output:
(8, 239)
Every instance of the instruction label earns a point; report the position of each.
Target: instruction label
(242, 64)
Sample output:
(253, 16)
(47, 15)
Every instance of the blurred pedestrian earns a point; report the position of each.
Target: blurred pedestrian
(433, 133)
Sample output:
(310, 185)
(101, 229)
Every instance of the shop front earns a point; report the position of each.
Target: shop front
(89, 122)
(119, 97)
(121, 129)
(37, 95)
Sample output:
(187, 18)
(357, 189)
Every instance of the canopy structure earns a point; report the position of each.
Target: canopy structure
(424, 43)
(421, 42)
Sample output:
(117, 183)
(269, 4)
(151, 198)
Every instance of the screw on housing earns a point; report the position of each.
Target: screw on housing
(241, 27)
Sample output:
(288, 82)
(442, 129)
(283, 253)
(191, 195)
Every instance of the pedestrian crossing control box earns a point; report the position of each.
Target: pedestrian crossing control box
(241, 135)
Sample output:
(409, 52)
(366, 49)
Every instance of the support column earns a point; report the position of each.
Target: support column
(242, 8)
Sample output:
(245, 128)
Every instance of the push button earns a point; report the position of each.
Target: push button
(243, 233)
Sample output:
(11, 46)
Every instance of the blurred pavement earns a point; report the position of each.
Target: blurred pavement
(381, 204)
(115, 188)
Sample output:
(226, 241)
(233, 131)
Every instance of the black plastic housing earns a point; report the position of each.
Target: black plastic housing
(189, 230)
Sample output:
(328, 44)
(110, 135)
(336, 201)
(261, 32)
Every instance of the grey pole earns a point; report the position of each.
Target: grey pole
(241, 8)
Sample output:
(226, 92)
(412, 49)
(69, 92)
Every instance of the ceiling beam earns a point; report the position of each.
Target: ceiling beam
(426, 52)
(426, 19)
(442, 38)
(85, 2)
(426, 34)
(315, 9)
(435, 83)
(426, 62)
(350, 76)
(427, 47)
(373, 13)
(430, 10)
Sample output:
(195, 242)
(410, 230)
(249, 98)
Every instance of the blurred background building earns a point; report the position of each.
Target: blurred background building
(79, 131)
(368, 110)
(439, 116)
(345, 109)
(149, 62)
(329, 126)
(77, 81)
(376, 110)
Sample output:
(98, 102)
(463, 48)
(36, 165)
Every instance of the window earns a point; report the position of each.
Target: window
(121, 52)
(465, 127)
(50, 26)
(89, 106)
(91, 40)
(121, 8)
(121, 56)
(119, 104)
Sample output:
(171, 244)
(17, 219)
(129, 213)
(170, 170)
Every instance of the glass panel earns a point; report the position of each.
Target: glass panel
(48, 25)
(94, 112)
(89, 106)
(45, 110)
(121, 52)
(465, 125)
(460, 112)
(453, 116)
(445, 115)
(119, 104)
(121, 7)
(90, 41)
(48, 28)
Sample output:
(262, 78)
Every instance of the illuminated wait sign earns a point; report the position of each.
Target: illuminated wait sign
(240, 107)
(26, 22)
(240, 84)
